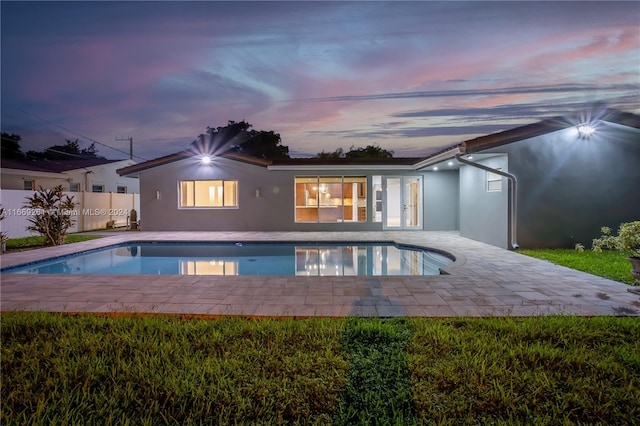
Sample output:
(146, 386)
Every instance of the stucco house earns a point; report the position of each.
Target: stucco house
(76, 175)
(548, 184)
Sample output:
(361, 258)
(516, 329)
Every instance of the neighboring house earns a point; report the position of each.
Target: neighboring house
(567, 184)
(103, 198)
(77, 175)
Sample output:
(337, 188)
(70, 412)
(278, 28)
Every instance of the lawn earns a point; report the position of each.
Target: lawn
(608, 264)
(34, 242)
(64, 369)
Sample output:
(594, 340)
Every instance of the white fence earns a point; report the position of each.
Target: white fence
(93, 211)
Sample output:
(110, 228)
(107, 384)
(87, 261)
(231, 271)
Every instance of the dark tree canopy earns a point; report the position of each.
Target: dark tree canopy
(370, 151)
(11, 147)
(69, 151)
(240, 137)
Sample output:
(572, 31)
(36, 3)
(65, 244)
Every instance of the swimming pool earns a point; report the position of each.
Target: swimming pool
(290, 258)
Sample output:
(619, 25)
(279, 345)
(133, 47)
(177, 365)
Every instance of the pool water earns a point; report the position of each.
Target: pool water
(302, 259)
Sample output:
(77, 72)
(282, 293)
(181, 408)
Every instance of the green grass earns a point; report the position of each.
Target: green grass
(62, 369)
(540, 370)
(377, 384)
(89, 370)
(608, 264)
(38, 241)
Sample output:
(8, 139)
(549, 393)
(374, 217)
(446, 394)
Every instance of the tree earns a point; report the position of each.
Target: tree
(11, 146)
(338, 153)
(370, 151)
(240, 137)
(69, 151)
(53, 214)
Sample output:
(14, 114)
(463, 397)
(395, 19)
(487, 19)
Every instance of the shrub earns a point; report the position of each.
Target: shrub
(53, 214)
(627, 240)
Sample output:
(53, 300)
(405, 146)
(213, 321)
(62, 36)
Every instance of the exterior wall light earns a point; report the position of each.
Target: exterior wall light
(206, 160)
(585, 130)
(435, 168)
(450, 163)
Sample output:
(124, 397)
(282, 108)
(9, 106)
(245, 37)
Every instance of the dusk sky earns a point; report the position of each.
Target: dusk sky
(407, 76)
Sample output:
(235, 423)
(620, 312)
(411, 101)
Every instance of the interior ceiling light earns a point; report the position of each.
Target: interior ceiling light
(586, 130)
(205, 160)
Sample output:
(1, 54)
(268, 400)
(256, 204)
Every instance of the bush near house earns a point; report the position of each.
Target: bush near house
(53, 214)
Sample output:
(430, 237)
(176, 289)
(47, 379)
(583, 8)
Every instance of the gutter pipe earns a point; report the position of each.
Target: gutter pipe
(512, 194)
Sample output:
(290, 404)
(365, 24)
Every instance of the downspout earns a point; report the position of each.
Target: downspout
(512, 194)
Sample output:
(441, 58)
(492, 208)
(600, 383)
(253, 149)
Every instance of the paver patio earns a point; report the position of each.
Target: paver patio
(484, 281)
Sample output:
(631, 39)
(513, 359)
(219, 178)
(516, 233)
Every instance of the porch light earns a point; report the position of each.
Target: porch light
(435, 169)
(450, 163)
(586, 130)
(206, 160)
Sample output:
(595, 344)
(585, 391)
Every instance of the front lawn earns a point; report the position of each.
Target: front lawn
(608, 264)
(63, 369)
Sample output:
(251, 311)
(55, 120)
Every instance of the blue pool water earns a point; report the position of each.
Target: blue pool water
(326, 259)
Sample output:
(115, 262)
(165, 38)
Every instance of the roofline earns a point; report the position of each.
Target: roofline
(369, 166)
(554, 124)
(182, 155)
(36, 173)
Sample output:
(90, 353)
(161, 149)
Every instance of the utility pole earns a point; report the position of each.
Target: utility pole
(130, 139)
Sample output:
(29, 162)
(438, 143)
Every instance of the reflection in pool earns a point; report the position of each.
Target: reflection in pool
(170, 258)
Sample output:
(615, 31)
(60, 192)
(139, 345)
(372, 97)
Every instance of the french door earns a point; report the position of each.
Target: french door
(402, 202)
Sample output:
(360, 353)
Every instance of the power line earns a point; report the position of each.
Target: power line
(76, 133)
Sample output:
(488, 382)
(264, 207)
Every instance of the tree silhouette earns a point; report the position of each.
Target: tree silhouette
(240, 137)
(370, 151)
(69, 151)
(11, 147)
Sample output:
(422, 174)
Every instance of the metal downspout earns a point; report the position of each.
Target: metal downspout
(512, 194)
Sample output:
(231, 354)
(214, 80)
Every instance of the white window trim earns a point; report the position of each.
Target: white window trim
(491, 178)
(98, 184)
(126, 189)
(342, 177)
(236, 207)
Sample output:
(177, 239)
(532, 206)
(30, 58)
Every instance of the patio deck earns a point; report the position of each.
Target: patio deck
(484, 281)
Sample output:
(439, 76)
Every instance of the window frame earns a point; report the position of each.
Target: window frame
(324, 207)
(118, 187)
(77, 185)
(493, 178)
(32, 182)
(94, 186)
(222, 185)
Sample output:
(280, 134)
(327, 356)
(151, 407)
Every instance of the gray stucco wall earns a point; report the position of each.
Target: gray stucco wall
(483, 214)
(273, 209)
(569, 187)
(441, 192)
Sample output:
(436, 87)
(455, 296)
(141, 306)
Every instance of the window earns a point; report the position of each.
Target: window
(74, 187)
(29, 185)
(121, 189)
(376, 183)
(494, 182)
(97, 188)
(208, 193)
(331, 199)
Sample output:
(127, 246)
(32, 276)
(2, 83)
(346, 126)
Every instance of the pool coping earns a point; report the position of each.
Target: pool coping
(483, 281)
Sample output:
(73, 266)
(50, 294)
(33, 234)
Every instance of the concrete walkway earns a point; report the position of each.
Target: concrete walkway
(484, 281)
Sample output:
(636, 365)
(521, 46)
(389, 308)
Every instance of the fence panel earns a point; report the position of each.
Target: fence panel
(93, 211)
